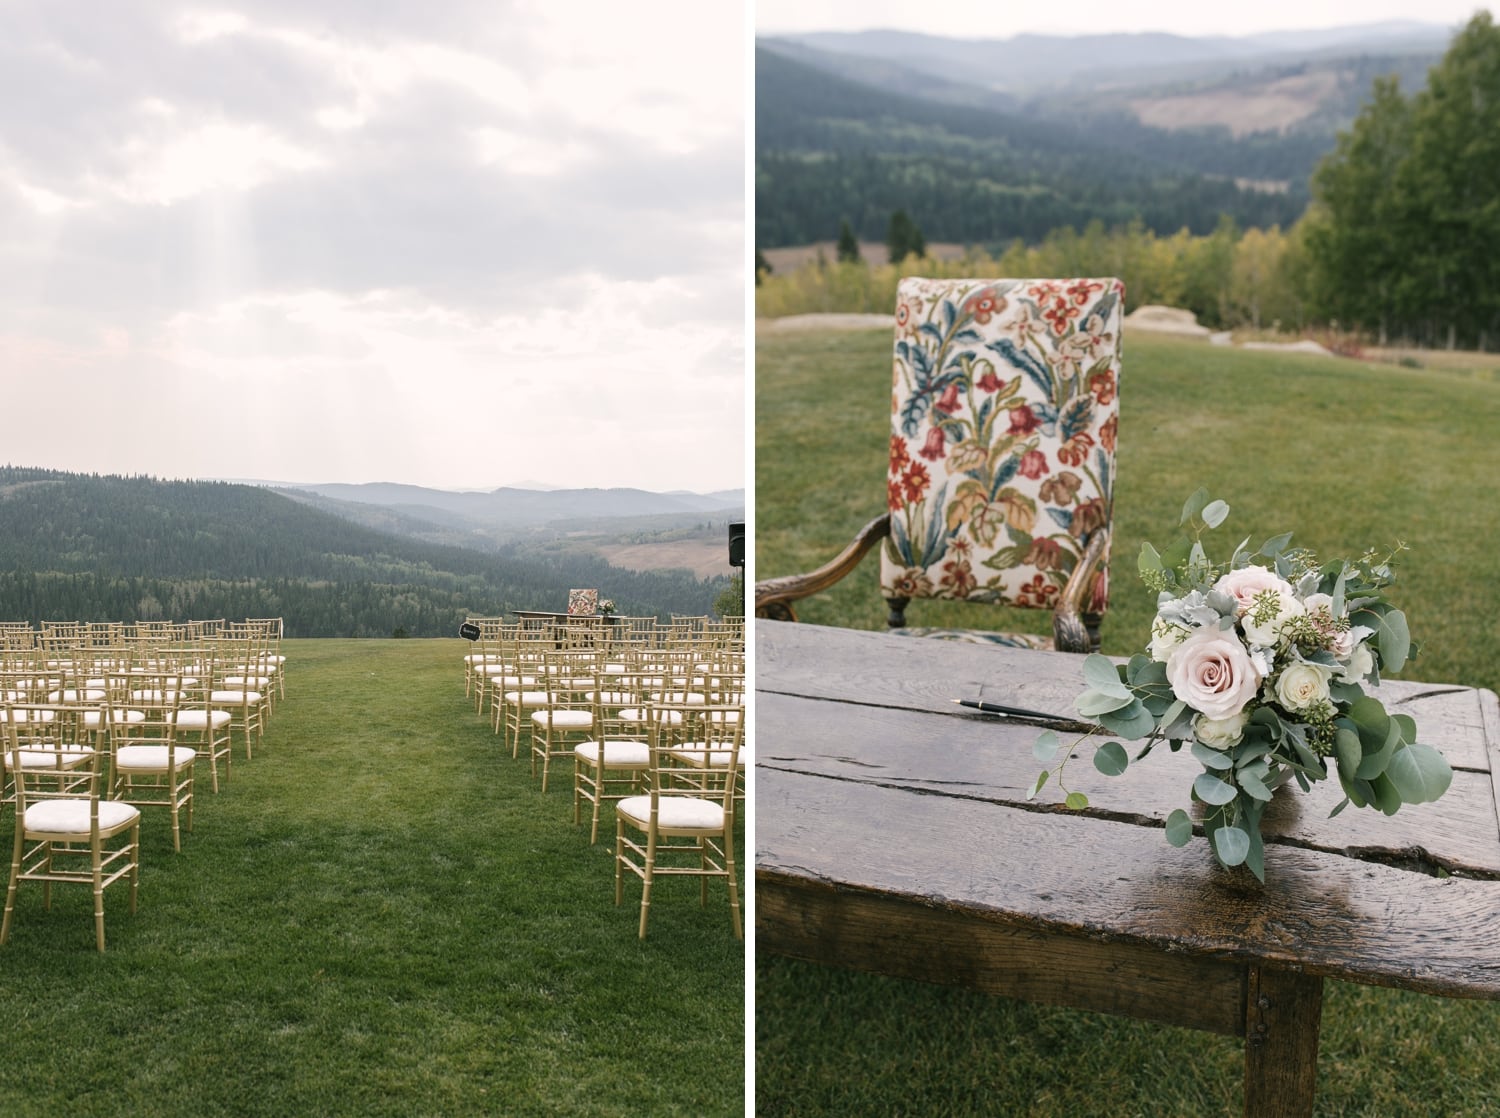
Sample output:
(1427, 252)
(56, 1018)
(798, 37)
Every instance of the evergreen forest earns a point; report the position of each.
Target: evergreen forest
(1389, 232)
(85, 547)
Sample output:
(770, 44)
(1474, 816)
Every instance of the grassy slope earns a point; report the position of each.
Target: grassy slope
(380, 915)
(1347, 455)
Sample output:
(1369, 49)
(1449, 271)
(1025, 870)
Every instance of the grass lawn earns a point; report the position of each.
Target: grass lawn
(380, 914)
(1348, 455)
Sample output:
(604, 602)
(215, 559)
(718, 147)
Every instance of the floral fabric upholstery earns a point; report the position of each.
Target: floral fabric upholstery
(582, 603)
(1004, 411)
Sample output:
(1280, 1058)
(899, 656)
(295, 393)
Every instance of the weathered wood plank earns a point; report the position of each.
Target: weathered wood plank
(1112, 882)
(963, 753)
(1282, 1015)
(904, 938)
(917, 674)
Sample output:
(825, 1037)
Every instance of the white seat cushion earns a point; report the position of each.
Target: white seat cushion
(68, 757)
(235, 697)
(71, 695)
(564, 719)
(526, 698)
(71, 817)
(695, 755)
(197, 719)
(619, 753)
(677, 813)
(25, 716)
(638, 714)
(117, 716)
(151, 758)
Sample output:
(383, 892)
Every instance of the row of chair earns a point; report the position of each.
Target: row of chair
(93, 733)
(653, 722)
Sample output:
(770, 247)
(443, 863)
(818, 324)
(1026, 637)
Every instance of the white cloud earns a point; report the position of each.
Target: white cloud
(357, 228)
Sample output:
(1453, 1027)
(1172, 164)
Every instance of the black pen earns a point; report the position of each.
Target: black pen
(1019, 712)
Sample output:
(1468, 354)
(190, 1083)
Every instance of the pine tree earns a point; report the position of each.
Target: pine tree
(903, 238)
(848, 249)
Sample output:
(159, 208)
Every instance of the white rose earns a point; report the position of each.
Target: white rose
(1165, 636)
(1361, 664)
(1221, 733)
(1263, 621)
(1243, 584)
(1302, 685)
(1211, 672)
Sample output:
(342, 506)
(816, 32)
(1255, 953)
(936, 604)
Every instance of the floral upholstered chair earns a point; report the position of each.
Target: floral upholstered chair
(1003, 421)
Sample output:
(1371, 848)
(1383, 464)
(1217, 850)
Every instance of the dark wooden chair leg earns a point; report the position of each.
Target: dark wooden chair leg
(1283, 1012)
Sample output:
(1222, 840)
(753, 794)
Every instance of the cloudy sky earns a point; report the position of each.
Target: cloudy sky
(461, 243)
(990, 20)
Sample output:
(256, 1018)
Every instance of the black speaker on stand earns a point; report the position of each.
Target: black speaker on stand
(736, 543)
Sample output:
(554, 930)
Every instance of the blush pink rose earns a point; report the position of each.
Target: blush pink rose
(1242, 585)
(1212, 673)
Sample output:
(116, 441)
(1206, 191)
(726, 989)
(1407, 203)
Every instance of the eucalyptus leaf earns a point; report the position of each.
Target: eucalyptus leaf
(1150, 559)
(1231, 844)
(1179, 827)
(1037, 787)
(1274, 546)
(1131, 722)
(1215, 513)
(1420, 773)
(1193, 506)
(1076, 801)
(1211, 790)
(1046, 745)
(1250, 780)
(1211, 758)
(1111, 758)
(1375, 763)
(1346, 747)
(1387, 797)
(1101, 675)
(1092, 703)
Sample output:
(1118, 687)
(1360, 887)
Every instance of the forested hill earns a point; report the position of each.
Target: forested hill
(88, 547)
(830, 149)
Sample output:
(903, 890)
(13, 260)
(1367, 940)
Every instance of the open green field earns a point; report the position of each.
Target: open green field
(380, 914)
(1347, 455)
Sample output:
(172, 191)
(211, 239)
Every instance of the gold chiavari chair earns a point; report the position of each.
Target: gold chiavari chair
(681, 829)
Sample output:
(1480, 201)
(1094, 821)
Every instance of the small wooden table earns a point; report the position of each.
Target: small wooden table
(893, 835)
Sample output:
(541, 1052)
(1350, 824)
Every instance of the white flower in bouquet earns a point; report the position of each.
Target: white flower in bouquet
(1268, 614)
(1221, 733)
(1303, 686)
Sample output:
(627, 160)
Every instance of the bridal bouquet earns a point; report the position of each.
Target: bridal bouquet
(1259, 665)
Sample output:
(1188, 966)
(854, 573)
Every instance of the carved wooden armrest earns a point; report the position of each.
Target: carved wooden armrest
(1074, 627)
(774, 596)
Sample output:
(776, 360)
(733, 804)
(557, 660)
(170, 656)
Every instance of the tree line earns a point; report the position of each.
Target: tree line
(90, 547)
(1401, 242)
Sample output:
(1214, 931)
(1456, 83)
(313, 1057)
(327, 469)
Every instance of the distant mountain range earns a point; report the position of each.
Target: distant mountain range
(986, 140)
(1026, 66)
(485, 520)
(91, 547)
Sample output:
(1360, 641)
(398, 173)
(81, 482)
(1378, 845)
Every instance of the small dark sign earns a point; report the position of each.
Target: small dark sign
(469, 631)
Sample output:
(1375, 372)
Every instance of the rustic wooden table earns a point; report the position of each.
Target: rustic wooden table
(893, 835)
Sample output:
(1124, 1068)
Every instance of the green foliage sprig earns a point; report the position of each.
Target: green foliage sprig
(1259, 666)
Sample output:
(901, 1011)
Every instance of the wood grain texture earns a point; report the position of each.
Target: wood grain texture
(1283, 1013)
(1118, 883)
(870, 668)
(906, 937)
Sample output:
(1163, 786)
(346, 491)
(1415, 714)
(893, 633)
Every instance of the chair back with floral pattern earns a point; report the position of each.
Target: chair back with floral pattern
(1004, 412)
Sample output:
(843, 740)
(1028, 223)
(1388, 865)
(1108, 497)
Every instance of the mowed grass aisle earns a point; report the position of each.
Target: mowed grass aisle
(1347, 455)
(380, 914)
